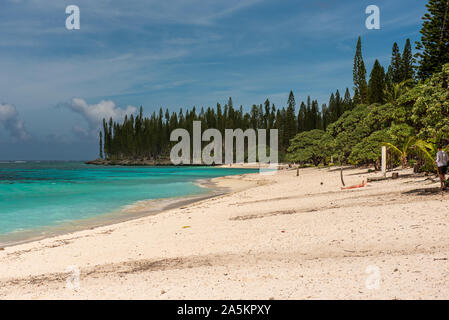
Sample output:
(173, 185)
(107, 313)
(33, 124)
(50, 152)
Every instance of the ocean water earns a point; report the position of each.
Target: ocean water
(45, 194)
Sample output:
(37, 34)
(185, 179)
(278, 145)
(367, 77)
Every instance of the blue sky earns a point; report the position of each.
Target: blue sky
(172, 54)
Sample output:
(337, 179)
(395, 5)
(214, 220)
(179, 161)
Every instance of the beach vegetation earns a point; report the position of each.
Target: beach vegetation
(433, 50)
(306, 147)
(404, 106)
(406, 111)
(140, 137)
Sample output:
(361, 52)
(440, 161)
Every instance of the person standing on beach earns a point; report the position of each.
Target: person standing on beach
(441, 162)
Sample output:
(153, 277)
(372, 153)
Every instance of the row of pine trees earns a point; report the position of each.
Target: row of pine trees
(139, 137)
(380, 87)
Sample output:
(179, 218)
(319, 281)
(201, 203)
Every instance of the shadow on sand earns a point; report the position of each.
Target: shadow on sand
(424, 191)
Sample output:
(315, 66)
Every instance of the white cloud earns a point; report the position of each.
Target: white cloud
(9, 118)
(95, 113)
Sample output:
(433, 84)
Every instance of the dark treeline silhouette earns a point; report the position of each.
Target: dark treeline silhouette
(139, 137)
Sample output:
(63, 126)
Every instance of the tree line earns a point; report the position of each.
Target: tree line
(139, 137)
(405, 108)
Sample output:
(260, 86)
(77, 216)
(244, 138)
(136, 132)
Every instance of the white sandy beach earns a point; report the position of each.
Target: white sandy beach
(274, 237)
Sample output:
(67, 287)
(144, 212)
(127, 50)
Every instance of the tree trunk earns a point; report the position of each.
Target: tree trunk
(341, 176)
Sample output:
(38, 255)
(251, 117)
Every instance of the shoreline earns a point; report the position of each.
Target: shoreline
(149, 207)
(287, 237)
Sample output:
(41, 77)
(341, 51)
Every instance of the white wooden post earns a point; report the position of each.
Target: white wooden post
(384, 161)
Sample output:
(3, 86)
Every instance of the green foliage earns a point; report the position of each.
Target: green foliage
(380, 117)
(409, 118)
(376, 84)
(428, 150)
(407, 72)
(347, 131)
(347, 128)
(396, 64)
(337, 106)
(290, 118)
(400, 74)
(307, 147)
(368, 150)
(400, 134)
(139, 137)
(395, 90)
(402, 151)
(359, 76)
(429, 105)
(347, 101)
(433, 47)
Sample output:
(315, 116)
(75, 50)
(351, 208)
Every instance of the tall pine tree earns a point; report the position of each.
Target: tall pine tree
(389, 79)
(338, 109)
(407, 72)
(324, 116)
(290, 121)
(347, 101)
(359, 76)
(302, 117)
(396, 64)
(433, 49)
(377, 84)
(331, 109)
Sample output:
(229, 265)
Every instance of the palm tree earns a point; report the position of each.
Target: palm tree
(429, 149)
(403, 150)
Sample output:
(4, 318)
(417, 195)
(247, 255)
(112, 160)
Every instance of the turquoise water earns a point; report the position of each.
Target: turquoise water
(42, 194)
